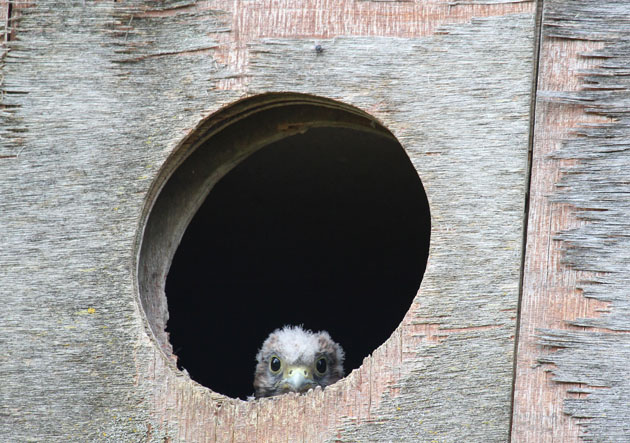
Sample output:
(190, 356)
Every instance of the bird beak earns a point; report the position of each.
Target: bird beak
(298, 379)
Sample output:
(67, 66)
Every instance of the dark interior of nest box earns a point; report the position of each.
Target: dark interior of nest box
(327, 227)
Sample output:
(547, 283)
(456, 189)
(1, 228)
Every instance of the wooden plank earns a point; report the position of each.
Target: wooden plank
(574, 302)
(9, 18)
(106, 92)
(327, 19)
(5, 26)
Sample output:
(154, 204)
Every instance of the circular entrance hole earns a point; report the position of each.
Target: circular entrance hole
(292, 210)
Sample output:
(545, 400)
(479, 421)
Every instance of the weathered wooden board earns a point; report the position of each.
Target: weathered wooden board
(100, 94)
(575, 298)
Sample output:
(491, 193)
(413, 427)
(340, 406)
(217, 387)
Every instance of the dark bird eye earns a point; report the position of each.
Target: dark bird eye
(321, 365)
(274, 364)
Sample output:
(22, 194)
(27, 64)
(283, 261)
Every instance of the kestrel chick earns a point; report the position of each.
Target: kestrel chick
(294, 360)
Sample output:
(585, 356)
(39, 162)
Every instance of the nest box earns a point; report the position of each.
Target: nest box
(440, 185)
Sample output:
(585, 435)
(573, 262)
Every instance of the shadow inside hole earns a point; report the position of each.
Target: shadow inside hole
(329, 229)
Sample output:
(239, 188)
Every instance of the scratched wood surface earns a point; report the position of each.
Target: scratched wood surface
(97, 97)
(573, 355)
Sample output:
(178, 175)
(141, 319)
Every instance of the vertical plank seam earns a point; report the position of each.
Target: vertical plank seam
(530, 150)
(7, 24)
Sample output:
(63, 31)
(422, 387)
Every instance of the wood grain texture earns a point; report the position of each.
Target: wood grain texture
(104, 93)
(9, 18)
(575, 301)
(5, 24)
(453, 296)
(326, 19)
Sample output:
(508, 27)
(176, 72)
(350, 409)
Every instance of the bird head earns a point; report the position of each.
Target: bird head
(295, 360)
